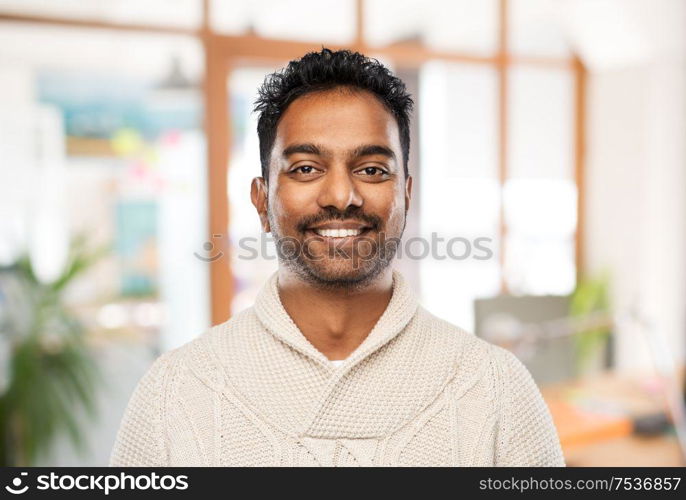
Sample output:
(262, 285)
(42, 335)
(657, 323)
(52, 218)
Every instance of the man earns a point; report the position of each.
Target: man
(336, 363)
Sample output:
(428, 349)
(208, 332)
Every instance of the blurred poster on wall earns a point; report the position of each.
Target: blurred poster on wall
(136, 246)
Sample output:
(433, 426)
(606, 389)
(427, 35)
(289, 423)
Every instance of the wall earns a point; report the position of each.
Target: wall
(636, 166)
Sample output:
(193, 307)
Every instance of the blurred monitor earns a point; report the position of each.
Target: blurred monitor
(548, 360)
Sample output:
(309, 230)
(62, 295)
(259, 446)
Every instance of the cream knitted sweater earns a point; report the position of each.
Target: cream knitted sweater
(418, 391)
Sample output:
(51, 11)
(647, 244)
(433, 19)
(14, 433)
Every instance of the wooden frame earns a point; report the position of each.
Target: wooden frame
(223, 52)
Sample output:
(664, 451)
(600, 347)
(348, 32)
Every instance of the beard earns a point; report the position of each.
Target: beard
(334, 267)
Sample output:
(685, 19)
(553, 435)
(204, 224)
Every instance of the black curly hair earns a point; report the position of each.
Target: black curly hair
(326, 70)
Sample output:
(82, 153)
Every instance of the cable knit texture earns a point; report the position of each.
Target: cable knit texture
(418, 391)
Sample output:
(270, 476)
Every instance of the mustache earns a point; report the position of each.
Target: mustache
(331, 213)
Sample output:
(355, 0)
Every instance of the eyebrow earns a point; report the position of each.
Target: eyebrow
(372, 149)
(306, 148)
(314, 149)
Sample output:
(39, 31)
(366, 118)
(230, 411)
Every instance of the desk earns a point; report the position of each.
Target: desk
(629, 451)
(601, 434)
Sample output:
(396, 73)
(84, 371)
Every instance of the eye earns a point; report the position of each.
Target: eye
(373, 171)
(304, 169)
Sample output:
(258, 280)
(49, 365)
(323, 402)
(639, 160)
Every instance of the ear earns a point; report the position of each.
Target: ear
(259, 198)
(408, 192)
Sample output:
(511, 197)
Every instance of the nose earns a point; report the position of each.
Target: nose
(339, 190)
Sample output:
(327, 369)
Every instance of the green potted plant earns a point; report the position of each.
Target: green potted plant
(590, 304)
(49, 373)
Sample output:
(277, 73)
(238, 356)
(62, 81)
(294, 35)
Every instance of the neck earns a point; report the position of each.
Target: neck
(335, 322)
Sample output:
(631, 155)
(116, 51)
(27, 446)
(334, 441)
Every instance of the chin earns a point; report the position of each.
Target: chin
(342, 274)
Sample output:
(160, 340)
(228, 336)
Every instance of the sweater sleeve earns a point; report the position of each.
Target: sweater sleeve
(527, 434)
(140, 439)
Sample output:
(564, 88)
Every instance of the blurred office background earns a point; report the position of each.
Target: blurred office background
(553, 129)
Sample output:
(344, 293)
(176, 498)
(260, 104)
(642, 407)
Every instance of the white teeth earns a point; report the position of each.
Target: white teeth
(337, 233)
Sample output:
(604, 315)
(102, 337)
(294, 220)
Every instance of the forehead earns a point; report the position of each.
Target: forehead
(338, 119)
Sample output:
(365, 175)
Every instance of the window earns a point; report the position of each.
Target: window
(496, 128)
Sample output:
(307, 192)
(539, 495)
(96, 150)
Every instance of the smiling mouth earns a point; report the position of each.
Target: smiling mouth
(339, 230)
(338, 233)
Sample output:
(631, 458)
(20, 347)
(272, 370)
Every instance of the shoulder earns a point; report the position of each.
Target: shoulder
(492, 374)
(480, 366)
(234, 326)
(514, 379)
(475, 351)
(481, 360)
(199, 357)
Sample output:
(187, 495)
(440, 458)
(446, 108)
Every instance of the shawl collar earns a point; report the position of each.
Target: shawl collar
(264, 365)
(400, 310)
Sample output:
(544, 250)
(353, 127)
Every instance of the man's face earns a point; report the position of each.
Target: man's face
(337, 195)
